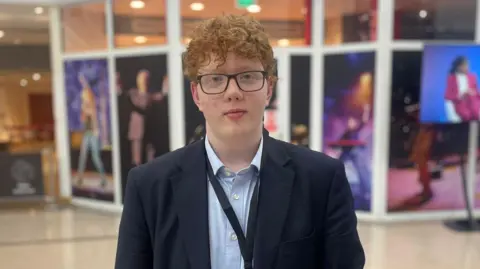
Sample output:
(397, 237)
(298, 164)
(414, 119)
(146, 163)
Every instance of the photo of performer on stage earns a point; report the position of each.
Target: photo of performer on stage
(88, 106)
(141, 98)
(91, 134)
(425, 159)
(142, 94)
(449, 84)
(348, 119)
(462, 92)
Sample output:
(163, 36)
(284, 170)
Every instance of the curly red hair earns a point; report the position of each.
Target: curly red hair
(242, 35)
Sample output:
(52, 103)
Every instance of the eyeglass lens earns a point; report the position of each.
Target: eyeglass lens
(246, 81)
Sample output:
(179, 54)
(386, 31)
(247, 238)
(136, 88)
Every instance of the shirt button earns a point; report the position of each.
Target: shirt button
(236, 196)
(233, 237)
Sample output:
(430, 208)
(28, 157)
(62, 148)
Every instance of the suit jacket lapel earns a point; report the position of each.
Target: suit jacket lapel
(276, 184)
(191, 203)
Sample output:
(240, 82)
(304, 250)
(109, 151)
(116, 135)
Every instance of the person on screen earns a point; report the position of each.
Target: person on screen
(141, 98)
(463, 92)
(190, 207)
(91, 134)
(421, 144)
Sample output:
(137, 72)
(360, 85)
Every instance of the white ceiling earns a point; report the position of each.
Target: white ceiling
(21, 25)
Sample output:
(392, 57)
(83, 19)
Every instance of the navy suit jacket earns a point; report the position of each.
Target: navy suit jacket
(306, 217)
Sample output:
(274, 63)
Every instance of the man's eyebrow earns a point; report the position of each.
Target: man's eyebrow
(239, 69)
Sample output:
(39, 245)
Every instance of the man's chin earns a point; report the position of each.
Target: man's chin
(236, 130)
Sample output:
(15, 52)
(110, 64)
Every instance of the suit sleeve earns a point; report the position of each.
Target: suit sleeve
(134, 250)
(343, 249)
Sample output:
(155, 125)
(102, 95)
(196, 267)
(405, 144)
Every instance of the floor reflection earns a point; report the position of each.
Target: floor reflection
(81, 239)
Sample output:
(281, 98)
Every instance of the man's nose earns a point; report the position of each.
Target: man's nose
(233, 91)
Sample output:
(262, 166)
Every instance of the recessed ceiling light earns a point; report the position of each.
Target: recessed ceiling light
(197, 6)
(2, 33)
(38, 10)
(254, 8)
(36, 76)
(137, 4)
(140, 39)
(283, 42)
(23, 82)
(423, 14)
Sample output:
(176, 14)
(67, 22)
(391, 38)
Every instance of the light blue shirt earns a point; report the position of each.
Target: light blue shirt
(224, 249)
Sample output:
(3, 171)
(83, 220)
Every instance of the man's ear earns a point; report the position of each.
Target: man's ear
(195, 91)
(270, 89)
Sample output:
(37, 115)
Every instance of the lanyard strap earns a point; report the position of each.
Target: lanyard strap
(245, 243)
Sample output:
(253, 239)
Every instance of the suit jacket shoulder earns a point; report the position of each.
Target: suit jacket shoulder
(159, 169)
(318, 165)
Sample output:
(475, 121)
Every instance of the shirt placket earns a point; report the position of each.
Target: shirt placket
(233, 191)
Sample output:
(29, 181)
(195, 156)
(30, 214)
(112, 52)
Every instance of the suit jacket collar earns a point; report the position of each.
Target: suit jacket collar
(217, 163)
(190, 190)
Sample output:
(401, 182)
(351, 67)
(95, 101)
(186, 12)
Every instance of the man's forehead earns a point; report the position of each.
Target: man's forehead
(232, 62)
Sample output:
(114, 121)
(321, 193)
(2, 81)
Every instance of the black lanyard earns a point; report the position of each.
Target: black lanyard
(245, 243)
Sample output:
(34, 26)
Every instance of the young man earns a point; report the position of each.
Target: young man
(190, 208)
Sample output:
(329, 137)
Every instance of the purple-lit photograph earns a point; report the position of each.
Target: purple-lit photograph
(348, 119)
(88, 106)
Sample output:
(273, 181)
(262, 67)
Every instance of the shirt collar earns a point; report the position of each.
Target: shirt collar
(217, 163)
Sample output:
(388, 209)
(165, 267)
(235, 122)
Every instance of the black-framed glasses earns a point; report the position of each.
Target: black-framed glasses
(249, 81)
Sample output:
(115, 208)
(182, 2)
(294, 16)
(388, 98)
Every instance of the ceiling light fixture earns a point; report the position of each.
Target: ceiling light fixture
(2, 33)
(36, 76)
(423, 14)
(197, 6)
(38, 10)
(254, 8)
(283, 42)
(23, 82)
(137, 4)
(140, 39)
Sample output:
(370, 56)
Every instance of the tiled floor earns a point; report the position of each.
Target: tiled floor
(78, 239)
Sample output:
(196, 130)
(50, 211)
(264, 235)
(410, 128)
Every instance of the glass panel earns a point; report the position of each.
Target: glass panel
(424, 163)
(300, 99)
(139, 23)
(286, 21)
(348, 21)
(84, 28)
(435, 19)
(89, 115)
(348, 118)
(142, 96)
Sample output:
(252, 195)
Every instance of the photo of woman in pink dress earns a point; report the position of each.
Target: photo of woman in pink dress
(141, 98)
(462, 93)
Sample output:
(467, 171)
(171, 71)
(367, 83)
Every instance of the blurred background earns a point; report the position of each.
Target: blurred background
(353, 75)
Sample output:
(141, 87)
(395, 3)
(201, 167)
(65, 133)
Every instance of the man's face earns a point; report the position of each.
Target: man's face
(233, 112)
